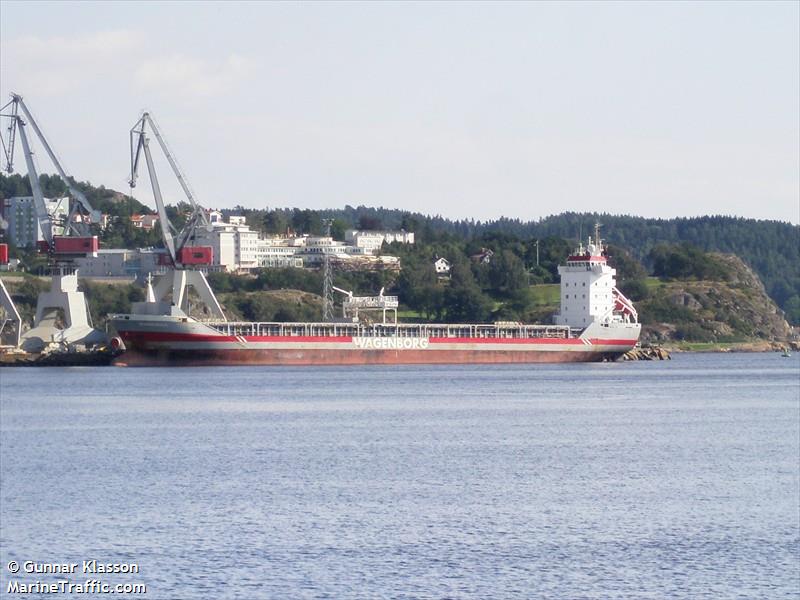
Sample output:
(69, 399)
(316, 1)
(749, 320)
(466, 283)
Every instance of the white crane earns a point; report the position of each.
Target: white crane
(80, 205)
(174, 241)
(181, 253)
(63, 298)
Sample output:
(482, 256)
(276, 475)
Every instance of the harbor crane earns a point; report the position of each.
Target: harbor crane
(76, 239)
(177, 243)
(62, 315)
(183, 255)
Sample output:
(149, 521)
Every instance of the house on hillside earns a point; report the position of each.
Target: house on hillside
(106, 220)
(214, 216)
(146, 222)
(483, 257)
(442, 267)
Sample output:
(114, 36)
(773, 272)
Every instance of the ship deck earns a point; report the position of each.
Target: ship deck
(401, 330)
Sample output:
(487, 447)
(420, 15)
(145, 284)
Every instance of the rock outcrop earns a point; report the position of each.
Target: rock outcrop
(735, 309)
(647, 353)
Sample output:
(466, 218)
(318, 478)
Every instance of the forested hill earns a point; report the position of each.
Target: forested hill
(771, 248)
(768, 246)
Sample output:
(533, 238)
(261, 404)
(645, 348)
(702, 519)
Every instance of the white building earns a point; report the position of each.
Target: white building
(236, 247)
(315, 249)
(121, 263)
(371, 241)
(278, 252)
(146, 222)
(222, 238)
(106, 220)
(442, 266)
(246, 247)
(24, 228)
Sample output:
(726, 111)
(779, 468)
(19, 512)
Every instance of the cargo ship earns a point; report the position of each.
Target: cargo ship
(596, 322)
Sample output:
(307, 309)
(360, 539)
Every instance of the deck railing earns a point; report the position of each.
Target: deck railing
(402, 330)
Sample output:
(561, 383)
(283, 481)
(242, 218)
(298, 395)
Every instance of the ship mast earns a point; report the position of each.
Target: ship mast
(327, 279)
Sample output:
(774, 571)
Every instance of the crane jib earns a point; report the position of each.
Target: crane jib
(73, 226)
(179, 253)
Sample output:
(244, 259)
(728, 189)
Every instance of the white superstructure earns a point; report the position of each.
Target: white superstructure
(589, 291)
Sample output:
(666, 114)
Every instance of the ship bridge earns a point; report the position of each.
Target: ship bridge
(589, 290)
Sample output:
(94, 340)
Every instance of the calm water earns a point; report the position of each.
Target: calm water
(643, 480)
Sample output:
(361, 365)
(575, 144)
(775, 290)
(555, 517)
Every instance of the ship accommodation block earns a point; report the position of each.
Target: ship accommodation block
(587, 289)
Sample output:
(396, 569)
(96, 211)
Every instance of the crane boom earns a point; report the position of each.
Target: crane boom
(173, 162)
(162, 210)
(75, 192)
(139, 130)
(43, 216)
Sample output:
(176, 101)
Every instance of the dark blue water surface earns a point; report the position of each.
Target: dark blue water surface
(678, 479)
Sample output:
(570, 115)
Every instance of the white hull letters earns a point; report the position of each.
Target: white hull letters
(388, 343)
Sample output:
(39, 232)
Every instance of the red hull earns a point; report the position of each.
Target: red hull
(352, 357)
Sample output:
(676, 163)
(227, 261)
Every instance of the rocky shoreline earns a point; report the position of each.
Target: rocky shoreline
(651, 352)
(647, 353)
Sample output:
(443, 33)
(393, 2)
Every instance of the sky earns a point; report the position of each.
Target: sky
(468, 110)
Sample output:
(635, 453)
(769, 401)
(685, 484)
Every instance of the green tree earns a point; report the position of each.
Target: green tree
(463, 299)
(338, 229)
(306, 221)
(507, 273)
(275, 222)
(792, 309)
(369, 223)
